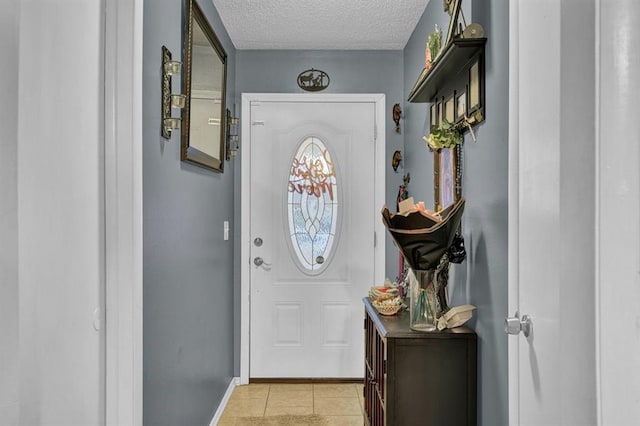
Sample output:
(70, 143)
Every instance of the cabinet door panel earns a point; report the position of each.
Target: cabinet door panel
(433, 377)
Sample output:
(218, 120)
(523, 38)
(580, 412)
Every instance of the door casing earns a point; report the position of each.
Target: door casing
(245, 232)
(123, 210)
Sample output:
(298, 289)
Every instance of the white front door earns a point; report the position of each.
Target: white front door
(312, 236)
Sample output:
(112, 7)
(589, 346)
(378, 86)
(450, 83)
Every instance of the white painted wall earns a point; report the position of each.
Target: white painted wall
(60, 211)
(618, 212)
(9, 214)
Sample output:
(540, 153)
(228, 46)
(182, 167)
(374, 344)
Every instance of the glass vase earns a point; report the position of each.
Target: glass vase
(422, 304)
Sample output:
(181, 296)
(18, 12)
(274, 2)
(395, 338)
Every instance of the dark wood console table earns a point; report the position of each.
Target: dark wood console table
(417, 378)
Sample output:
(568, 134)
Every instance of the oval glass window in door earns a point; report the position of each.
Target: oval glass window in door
(312, 207)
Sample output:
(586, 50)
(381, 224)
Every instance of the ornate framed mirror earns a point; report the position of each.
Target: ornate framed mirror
(204, 84)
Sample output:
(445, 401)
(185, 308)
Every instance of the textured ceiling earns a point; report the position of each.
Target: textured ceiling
(320, 24)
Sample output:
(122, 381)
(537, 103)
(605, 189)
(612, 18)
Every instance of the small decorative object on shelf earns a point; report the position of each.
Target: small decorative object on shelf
(434, 44)
(386, 299)
(473, 31)
(456, 316)
(388, 307)
(382, 292)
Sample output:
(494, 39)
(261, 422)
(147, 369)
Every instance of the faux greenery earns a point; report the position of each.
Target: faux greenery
(446, 135)
(434, 43)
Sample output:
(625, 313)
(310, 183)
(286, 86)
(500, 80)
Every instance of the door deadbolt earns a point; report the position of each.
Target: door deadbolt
(258, 242)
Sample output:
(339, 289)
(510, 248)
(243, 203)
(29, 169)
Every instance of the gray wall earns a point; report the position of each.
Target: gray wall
(182, 287)
(9, 214)
(276, 71)
(188, 274)
(482, 279)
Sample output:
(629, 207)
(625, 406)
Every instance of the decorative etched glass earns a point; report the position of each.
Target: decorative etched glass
(312, 206)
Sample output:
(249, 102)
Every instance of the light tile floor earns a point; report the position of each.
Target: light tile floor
(342, 404)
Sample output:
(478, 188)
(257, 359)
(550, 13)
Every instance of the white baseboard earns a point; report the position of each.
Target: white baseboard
(235, 381)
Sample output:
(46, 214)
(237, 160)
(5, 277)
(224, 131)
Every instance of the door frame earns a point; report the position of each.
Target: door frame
(245, 201)
(122, 117)
(513, 381)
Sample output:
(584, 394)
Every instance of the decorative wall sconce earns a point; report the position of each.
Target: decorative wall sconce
(170, 100)
(232, 143)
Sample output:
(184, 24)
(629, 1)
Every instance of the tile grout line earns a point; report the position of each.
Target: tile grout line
(266, 402)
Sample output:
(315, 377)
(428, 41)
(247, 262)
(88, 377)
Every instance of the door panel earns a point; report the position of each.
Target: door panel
(307, 322)
(61, 215)
(551, 203)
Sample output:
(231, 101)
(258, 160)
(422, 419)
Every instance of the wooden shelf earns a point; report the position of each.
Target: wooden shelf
(455, 58)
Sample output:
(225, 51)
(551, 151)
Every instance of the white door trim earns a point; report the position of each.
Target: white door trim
(617, 208)
(245, 201)
(513, 207)
(123, 210)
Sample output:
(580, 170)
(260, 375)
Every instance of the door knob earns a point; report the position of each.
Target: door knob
(258, 261)
(514, 325)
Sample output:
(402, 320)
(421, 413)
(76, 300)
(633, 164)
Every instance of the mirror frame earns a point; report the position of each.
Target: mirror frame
(194, 16)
